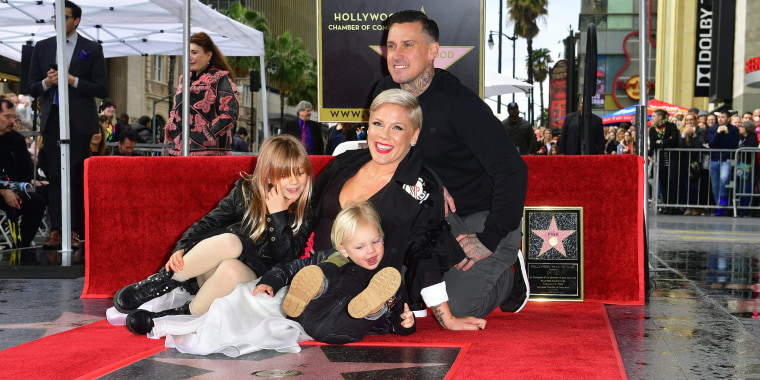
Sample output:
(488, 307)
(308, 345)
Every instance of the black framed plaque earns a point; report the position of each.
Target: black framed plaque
(553, 251)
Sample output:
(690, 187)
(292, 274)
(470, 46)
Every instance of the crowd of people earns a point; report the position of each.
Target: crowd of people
(696, 176)
(694, 152)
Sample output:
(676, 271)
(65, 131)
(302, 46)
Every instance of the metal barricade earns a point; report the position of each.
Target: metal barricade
(683, 179)
(141, 149)
(158, 150)
(745, 180)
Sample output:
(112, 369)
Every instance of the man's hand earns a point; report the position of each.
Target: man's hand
(474, 249)
(443, 315)
(52, 78)
(448, 202)
(11, 198)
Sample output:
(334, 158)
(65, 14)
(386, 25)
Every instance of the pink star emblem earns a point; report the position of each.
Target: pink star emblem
(553, 238)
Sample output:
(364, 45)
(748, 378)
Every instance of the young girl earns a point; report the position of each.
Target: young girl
(342, 294)
(262, 222)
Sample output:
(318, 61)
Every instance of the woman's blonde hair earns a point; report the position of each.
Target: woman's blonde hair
(279, 157)
(349, 218)
(401, 98)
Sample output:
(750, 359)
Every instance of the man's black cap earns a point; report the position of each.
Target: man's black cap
(512, 105)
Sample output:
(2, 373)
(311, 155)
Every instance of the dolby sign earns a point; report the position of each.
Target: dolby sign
(703, 48)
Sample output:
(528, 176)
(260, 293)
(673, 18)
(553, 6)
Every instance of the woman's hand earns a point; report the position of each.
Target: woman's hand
(176, 262)
(262, 288)
(276, 201)
(408, 317)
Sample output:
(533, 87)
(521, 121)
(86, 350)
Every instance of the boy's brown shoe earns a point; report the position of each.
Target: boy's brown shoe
(382, 287)
(306, 284)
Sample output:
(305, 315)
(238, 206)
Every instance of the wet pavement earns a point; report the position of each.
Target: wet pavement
(701, 318)
(700, 321)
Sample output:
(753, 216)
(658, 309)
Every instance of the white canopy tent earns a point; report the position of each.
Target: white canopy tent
(131, 27)
(499, 84)
(124, 27)
(127, 27)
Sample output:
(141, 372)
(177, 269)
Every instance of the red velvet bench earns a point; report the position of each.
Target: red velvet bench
(137, 207)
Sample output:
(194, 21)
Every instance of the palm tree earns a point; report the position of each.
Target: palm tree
(306, 89)
(525, 14)
(290, 66)
(254, 19)
(541, 62)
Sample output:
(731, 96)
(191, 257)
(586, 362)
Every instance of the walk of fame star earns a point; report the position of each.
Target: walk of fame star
(553, 238)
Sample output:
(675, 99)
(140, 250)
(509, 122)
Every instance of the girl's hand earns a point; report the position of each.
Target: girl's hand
(176, 262)
(276, 201)
(262, 288)
(408, 317)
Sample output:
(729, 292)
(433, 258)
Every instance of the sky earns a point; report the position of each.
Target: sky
(563, 14)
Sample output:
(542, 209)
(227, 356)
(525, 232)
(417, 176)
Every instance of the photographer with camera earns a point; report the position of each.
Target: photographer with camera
(22, 206)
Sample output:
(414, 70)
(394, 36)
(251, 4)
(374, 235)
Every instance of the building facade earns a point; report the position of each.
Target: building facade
(617, 30)
(711, 54)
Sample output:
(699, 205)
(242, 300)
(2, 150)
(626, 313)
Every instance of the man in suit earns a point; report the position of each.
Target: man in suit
(87, 79)
(309, 132)
(570, 138)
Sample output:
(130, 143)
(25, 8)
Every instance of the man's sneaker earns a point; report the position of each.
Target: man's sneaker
(306, 285)
(383, 285)
(520, 289)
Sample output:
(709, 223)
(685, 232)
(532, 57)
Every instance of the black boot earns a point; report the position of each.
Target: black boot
(130, 297)
(140, 322)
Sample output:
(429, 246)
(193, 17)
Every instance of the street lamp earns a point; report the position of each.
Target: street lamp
(490, 46)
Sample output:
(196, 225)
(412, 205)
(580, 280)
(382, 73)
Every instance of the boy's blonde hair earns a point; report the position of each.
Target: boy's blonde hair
(349, 218)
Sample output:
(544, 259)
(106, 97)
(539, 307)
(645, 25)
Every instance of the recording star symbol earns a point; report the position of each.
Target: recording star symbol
(553, 238)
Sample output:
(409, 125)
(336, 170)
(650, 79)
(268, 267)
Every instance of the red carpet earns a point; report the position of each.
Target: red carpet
(91, 350)
(550, 340)
(547, 340)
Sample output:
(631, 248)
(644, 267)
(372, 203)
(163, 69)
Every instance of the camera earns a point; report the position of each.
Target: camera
(18, 187)
(54, 66)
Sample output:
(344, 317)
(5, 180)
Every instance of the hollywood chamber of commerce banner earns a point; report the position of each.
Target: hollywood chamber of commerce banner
(351, 37)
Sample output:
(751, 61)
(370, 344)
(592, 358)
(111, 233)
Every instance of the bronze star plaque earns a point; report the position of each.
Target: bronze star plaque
(553, 250)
